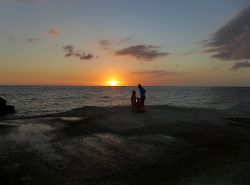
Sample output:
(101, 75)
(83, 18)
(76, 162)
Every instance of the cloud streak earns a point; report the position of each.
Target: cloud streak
(71, 52)
(53, 32)
(232, 41)
(187, 52)
(32, 39)
(239, 65)
(107, 44)
(142, 52)
(155, 73)
(125, 40)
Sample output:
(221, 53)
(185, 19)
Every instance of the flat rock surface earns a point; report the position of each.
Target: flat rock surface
(98, 145)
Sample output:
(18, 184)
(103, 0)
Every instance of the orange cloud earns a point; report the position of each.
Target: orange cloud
(53, 32)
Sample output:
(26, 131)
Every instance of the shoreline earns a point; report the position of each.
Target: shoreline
(128, 107)
(110, 145)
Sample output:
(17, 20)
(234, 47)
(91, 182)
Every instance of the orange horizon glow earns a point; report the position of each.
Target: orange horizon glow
(113, 82)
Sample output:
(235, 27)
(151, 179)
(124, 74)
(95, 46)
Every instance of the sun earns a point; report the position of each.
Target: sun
(113, 82)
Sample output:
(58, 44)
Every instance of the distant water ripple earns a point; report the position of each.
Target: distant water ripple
(37, 100)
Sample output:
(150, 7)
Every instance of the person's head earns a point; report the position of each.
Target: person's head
(139, 85)
(133, 93)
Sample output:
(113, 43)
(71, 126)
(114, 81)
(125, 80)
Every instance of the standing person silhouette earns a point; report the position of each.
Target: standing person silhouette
(143, 96)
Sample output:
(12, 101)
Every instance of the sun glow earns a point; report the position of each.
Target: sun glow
(113, 82)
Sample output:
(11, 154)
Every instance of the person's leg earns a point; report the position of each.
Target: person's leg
(133, 107)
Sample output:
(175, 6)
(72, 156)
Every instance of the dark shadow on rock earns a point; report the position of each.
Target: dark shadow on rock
(243, 122)
(240, 120)
(3, 181)
(5, 128)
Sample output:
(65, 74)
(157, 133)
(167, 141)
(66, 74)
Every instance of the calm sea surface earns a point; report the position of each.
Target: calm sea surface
(38, 100)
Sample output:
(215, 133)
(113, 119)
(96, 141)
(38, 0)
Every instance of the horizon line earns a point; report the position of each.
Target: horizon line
(58, 85)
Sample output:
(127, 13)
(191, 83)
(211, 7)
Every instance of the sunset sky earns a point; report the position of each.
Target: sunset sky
(153, 42)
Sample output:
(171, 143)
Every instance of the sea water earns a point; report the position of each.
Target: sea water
(39, 100)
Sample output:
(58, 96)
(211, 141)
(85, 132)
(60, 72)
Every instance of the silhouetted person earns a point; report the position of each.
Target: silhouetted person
(143, 96)
(133, 101)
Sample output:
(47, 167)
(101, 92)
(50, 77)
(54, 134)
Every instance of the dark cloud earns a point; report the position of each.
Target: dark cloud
(142, 52)
(155, 73)
(71, 52)
(232, 41)
(53, 32)
(32, 39)
(240, 65)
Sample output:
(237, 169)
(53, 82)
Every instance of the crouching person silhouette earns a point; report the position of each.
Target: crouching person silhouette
(133, 101)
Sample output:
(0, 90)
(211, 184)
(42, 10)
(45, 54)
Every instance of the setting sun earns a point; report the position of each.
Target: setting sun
(113, 82)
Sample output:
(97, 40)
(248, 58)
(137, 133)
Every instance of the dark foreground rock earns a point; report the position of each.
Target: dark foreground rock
(4, 108)
(111, 146)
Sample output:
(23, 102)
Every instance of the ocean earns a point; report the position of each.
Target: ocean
(39, 100)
